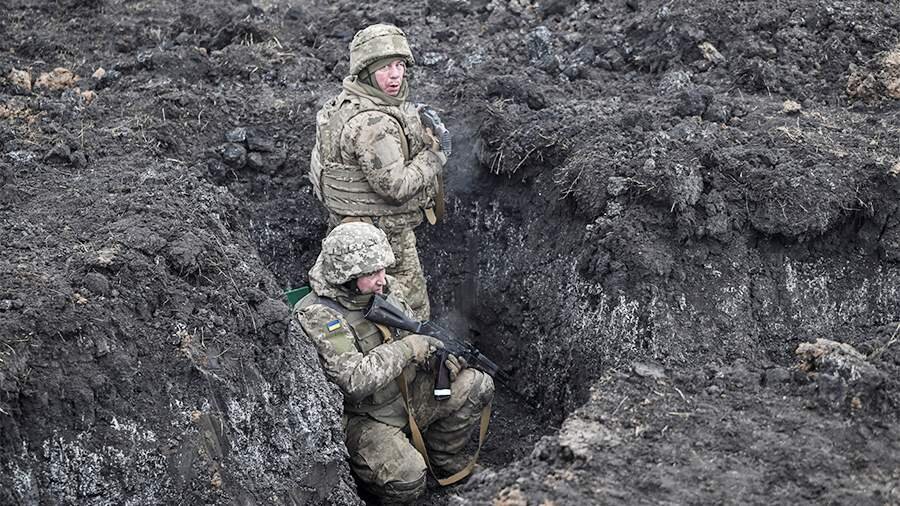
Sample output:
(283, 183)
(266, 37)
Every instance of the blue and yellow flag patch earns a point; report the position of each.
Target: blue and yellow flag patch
(333, 325)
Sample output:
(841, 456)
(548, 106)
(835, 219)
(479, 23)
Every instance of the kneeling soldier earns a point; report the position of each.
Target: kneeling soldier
(376, 368)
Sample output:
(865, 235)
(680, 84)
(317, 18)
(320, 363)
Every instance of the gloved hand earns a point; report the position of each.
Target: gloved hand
(455, 365)
(432, 141)
(422, 346)
(434, 145)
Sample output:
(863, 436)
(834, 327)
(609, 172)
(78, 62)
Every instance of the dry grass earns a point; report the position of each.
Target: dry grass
(878, 352)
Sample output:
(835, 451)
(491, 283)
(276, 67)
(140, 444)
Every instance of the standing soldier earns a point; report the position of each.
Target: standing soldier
(382, 373)
(373, 160)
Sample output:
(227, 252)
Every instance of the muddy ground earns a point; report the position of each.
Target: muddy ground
(653, 205)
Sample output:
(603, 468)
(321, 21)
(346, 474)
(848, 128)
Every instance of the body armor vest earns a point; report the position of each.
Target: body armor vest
(342, 185)
(386, 404)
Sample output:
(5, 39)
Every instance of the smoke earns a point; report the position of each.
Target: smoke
(465, 180)
(463, 173)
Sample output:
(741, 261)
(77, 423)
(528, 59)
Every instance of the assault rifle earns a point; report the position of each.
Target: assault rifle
(432, 121)
(379, 310)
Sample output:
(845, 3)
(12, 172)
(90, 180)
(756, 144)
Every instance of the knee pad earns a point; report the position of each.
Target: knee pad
(481, 390)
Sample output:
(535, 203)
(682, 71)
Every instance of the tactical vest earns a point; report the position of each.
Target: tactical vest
(343, 187)
(386, 404)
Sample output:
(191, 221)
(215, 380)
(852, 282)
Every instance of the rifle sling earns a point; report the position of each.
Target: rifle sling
(436, 213)
(440, 204)
(419, 442)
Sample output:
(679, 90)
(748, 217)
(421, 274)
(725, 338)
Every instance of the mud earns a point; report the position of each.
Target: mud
(652, 206)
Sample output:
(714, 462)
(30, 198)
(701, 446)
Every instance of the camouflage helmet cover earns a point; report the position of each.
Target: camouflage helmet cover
(377, 42)
(354, 249)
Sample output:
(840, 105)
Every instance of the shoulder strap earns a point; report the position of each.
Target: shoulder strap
(333, 304)
(386, 334)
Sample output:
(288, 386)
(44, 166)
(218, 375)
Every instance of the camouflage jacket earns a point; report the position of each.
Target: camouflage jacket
(353, 352)
(371, 158)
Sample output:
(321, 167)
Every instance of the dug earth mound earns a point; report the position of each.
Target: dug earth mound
(675, 226)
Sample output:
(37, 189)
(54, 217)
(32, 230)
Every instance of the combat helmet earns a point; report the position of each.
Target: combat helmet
(354, 249)
(377, 42)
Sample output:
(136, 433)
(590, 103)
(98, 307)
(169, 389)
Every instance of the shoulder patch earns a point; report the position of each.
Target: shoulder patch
(333, 325)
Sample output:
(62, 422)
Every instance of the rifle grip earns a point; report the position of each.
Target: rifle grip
(441, 376)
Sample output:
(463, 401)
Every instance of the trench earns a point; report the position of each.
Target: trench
(517, 270)
(468, 294)
(660, 209)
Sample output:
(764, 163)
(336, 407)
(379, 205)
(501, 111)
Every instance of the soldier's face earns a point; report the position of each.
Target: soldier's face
(390, 77)
(371, 283)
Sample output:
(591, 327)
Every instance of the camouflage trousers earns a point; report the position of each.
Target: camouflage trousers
(383, 456)
(407, 269)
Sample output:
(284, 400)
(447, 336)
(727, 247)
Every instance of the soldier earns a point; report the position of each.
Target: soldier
(373, 160)
(372, 366)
